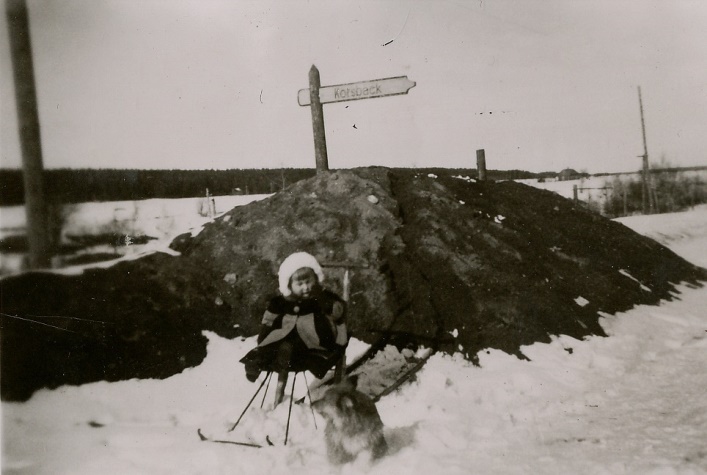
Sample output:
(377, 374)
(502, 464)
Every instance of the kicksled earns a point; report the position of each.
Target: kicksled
(339, 372)
(413, 367)
(341, 369)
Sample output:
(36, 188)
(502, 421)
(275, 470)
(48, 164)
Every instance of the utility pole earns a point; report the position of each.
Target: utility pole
(30, 140)
(647, 195)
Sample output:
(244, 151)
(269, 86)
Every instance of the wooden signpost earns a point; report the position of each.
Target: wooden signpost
(359, 90)
(316, 95)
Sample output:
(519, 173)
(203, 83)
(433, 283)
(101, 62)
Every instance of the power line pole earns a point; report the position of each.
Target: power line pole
(30, 140)
(647, 195)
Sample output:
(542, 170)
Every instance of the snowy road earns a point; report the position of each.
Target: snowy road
(651, 411)
(646, 411)
(632, 403)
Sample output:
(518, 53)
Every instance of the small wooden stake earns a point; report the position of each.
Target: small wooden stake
(481, 164)
(340, 369)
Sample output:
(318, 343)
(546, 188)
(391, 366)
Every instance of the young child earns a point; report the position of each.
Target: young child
(303, 328)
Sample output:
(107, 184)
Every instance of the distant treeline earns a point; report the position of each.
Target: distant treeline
(68, 185)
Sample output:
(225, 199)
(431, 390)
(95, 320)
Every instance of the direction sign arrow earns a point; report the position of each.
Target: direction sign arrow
(359, 90)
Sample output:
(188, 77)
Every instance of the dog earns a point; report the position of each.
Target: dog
(353, 425)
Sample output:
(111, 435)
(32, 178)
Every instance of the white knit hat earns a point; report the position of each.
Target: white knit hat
(292, 264)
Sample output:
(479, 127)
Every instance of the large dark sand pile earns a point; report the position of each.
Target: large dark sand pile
(439, 261)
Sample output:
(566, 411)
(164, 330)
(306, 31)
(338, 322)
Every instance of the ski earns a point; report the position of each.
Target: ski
(406, 375)
(233, 442)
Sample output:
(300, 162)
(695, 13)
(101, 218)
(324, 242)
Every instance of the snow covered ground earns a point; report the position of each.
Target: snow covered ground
(589, 189)
(161, 219)
(632, 403)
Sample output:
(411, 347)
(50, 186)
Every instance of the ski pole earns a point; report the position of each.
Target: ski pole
(289, 413)
(269, 376)
(249, 403)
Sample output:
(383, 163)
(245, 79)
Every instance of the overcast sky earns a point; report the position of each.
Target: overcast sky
(539, 85)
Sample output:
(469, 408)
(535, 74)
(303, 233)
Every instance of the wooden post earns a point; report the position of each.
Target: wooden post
(654, 202)
(481, 164)
(211, 203)
(209, 213)
(574, 193)
(340, 369)
(30, 140)
(320, 152)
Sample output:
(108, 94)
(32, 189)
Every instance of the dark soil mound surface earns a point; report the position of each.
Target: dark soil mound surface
(436, 260)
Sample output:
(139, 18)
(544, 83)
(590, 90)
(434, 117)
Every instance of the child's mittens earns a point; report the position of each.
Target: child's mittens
(252, 373)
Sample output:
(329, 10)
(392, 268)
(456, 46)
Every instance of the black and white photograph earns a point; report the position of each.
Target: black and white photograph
(353, 237)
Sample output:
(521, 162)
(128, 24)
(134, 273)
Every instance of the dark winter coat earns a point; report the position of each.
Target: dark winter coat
(316, 325)
(318, 321)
